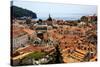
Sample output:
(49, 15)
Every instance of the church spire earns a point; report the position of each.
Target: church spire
(49, 19)
(49, 16)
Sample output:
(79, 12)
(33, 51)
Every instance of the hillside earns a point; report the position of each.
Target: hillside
(20, 12)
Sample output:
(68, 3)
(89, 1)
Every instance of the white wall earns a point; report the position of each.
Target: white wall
(5, 33)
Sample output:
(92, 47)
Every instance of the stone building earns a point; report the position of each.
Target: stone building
(20, 38)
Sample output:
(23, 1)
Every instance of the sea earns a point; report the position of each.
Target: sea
(59, 18)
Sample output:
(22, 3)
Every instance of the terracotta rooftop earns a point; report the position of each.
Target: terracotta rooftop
(28, 31)
(31, 48)
(18, 32)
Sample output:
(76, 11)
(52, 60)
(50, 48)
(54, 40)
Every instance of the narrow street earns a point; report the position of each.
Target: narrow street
(58, 55)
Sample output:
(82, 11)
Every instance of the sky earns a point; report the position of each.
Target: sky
(43, 9)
